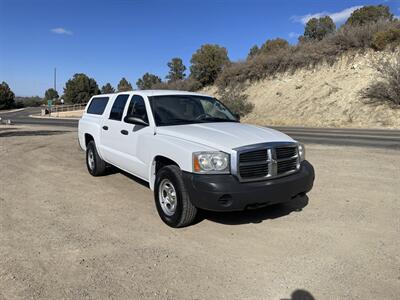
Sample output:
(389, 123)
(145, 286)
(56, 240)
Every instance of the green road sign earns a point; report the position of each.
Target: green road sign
(49, 103)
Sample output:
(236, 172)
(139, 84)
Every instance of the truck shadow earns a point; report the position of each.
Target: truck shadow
(235, 218)
(301, 295)
(257, 215)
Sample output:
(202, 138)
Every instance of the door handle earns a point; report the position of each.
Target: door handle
(124, 132)
(105, 127)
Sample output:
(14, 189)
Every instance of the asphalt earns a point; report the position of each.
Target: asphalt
(378, 138)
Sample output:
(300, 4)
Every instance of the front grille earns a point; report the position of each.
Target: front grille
(251, 171)
(267, 161)
(285, 152)
(252, 156)
(287, 165)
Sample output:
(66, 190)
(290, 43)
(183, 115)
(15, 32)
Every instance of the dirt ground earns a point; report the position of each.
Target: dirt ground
(65, 234)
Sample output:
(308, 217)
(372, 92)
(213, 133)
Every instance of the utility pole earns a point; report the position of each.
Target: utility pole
(55, 79)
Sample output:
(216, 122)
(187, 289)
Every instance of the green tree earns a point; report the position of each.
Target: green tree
(80, 88)
(253, 51)
(6, 96)
(271, 46)
(124, 85)
(148, 81)
(107, 89)
(176, 69)
(317, 29)
(51, 94)
(207, 63)
(369, 14)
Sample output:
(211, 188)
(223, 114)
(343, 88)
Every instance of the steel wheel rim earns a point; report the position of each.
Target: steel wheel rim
(91, 159)
(167, 197)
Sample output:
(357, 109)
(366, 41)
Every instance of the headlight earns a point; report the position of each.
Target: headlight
(211, 162)
(302, 151)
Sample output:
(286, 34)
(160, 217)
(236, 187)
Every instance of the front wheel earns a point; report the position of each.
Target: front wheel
(95, 165)
(171, 198)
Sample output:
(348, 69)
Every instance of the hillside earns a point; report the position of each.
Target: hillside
(326, 96)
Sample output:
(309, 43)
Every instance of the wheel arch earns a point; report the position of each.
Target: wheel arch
(157, 163)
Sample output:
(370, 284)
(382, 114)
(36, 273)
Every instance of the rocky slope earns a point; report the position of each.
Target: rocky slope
(326, 96)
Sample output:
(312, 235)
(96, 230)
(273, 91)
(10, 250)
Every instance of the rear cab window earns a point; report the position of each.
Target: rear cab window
(97, 105)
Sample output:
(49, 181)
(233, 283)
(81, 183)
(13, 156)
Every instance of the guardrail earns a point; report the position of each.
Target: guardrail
(62, 108)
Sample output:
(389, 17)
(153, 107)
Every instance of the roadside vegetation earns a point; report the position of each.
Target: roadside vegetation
(370, 27)
(387, 87)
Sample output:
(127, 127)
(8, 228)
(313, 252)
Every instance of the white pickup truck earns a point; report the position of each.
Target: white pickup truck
(193, 152)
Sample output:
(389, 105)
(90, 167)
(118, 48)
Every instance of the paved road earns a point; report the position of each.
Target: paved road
(381, 138)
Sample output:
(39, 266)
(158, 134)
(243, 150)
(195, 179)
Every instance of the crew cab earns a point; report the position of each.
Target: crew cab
(193, 152)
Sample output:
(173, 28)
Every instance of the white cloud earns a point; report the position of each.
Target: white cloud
(294, 35)
(60, 30)
(337, 17)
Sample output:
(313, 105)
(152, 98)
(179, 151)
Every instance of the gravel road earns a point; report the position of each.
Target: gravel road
(65, 234)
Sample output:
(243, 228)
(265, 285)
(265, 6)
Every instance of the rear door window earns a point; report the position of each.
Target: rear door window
(97, 105)
(118, 107)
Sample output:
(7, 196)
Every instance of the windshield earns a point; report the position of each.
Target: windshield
(187, 109)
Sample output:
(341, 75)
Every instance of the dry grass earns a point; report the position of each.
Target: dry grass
(387, 88)
(305, 55)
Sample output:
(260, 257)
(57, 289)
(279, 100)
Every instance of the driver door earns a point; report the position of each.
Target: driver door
(134, 142)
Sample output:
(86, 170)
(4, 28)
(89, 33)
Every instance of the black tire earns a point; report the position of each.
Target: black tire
(185, 212)
(99, 166)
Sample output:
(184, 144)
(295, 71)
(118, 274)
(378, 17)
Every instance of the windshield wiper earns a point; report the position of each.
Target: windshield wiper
(171, 122)
(216, 119)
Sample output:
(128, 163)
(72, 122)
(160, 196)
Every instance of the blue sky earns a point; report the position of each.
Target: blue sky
(109, 40)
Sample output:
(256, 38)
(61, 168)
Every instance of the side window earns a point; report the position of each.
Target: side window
(137, 108)
(97, 105)
(118, 107)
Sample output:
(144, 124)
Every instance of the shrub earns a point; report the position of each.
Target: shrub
(369, 14)
(176, 69)
(148, 81)
(271, 46)
(387, 89)
(235, 100)
(124, 85)
(317, 29)
(6, 96)
(107, 89)
(308, 53)
(189, 84)
(207, 63)
(385, 38)
(253, 51)
(80, 89)
(357, 37)
(51, 94)
(29, 101)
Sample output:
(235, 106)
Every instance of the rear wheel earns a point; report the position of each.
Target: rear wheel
(171, 198)
(95, 165)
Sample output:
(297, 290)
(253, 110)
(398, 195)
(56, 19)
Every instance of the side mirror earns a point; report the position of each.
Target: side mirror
(237, 116)
(135, 121)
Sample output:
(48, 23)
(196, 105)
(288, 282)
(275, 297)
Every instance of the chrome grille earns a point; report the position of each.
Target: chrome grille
(265, 161)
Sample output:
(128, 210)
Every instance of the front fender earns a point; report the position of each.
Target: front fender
(178, 150)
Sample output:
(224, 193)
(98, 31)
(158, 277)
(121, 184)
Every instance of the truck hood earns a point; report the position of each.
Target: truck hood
(224, 136)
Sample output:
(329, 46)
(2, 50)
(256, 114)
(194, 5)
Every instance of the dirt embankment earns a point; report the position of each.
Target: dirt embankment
(326, 96)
